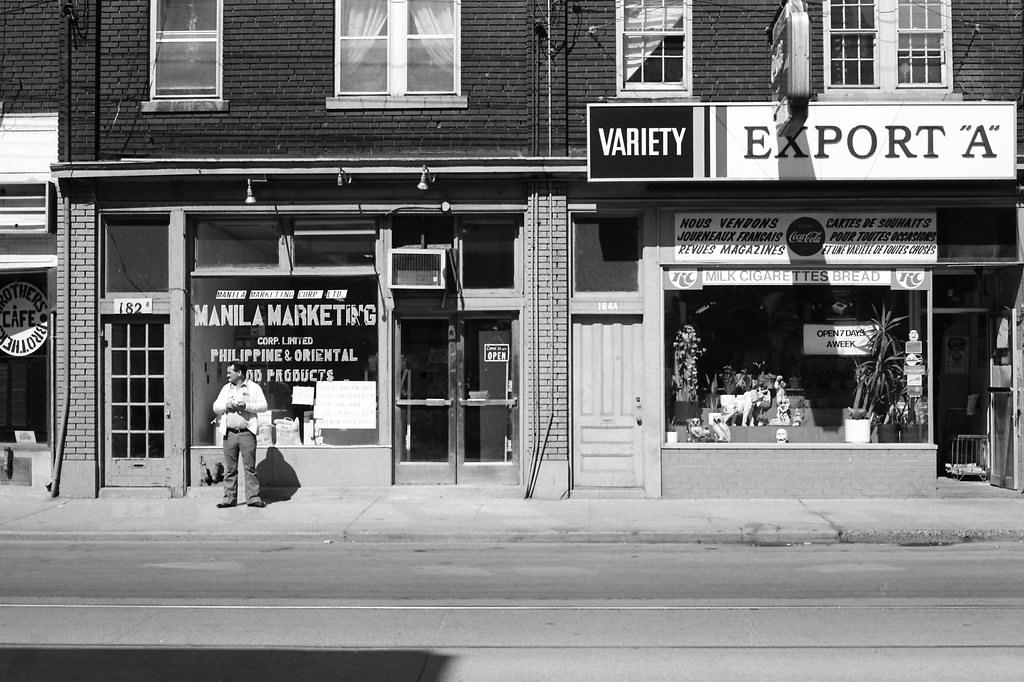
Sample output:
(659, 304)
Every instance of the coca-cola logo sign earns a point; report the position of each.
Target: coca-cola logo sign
(805, 236)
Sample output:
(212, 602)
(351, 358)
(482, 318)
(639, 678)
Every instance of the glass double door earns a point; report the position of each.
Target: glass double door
(456, 403)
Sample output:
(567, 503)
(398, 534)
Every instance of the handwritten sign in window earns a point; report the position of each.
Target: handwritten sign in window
(346, 404)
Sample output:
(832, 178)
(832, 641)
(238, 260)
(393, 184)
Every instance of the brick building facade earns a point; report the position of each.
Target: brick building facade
(561, 352)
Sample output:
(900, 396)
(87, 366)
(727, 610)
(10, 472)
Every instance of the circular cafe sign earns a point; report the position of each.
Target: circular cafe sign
(805, 236)
(24, 316)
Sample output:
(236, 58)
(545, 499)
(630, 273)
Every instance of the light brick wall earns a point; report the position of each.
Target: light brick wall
(731, 472)
(546, 362)
(81, 443)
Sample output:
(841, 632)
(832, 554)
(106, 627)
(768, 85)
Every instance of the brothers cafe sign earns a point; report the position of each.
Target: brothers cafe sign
(838, 141)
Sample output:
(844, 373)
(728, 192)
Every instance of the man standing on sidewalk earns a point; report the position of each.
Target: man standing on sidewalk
(237, 405)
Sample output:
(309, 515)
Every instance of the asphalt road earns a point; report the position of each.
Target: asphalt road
(317, 611)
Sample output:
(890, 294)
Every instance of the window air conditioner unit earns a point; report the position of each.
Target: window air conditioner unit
(414, 268)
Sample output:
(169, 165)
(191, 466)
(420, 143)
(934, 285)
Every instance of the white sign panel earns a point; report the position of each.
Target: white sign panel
(133, 306)
(837, 339)
(868, 237)
(346, 404)
(24, 319)
(691, 280)
(844, 141)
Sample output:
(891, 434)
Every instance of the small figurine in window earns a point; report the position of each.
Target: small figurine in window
(781, 436)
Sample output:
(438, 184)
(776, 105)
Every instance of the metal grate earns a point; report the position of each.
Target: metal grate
(417, 269)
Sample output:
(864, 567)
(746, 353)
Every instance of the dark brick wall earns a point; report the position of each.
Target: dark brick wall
(731, 56)
(278, 72)
(30, 40)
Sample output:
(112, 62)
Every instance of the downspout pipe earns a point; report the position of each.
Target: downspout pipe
(58, 459)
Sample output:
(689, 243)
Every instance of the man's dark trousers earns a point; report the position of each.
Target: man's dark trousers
(242, 444)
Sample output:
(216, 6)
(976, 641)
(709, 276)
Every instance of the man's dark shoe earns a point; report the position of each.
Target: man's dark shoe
(257, 503)
(225, 505)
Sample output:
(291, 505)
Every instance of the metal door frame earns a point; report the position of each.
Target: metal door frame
(455, 470)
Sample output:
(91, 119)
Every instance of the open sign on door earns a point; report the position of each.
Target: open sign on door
(495, 352)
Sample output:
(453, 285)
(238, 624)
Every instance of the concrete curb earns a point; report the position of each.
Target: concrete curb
(902, 537)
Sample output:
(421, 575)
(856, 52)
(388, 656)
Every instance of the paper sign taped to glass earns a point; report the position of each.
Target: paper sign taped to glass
(346, 405)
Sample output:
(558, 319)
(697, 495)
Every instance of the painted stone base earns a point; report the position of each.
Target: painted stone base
(747, 471)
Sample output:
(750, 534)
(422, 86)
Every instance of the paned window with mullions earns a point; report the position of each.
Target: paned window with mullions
(853, 39)
(397, 47)
(654, 44)
(888, 45)
(136, 390)
(919, 52)
(186, 49)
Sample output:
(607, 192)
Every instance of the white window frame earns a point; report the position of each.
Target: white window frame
(205, 36)
(885, 55)
(653, 89)
(398, 39)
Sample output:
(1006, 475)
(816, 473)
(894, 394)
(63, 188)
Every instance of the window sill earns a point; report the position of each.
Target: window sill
(400, 102)
(889, 96)
(659, 95)
(184, 106)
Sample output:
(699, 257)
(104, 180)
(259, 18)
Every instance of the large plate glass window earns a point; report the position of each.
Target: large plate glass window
(186, 49)
(397, 47)
(653, 41)
(24, 343)
(888, 45)
(800, 358)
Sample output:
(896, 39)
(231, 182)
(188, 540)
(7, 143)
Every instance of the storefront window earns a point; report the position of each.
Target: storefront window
(321, 242)
(606, 254)
(237, 243)
(311, 344)
(488, 255)
(791, 362)
(135, 257)
(24, 342)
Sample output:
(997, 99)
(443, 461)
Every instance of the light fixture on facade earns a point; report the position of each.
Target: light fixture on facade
(343, 178)
(249, 198)
(426, 177)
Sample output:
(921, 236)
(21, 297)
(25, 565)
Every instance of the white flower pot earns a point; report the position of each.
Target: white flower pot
(857, 430)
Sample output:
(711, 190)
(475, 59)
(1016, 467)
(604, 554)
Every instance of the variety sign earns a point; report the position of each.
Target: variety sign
(838, 141)
(787, 238)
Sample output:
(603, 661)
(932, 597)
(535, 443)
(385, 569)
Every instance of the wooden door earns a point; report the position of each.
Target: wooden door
(607, 411)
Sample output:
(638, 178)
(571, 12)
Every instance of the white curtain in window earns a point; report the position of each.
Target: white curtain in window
(435, 18)
(362, 19)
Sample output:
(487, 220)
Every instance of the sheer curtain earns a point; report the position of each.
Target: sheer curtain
(363, 46)
(434, 18)
(362, 19)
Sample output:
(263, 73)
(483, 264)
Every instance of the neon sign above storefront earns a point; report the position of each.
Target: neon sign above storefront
(838, 141)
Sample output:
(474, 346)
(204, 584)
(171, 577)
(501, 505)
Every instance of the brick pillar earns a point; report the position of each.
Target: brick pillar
(546, 352)
(79, 469)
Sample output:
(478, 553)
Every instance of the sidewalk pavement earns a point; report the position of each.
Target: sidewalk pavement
(453, 514)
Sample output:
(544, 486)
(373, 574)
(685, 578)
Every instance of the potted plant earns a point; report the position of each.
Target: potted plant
(686, 351)
(878, 377)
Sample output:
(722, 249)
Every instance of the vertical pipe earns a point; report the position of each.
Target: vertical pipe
(96, 84)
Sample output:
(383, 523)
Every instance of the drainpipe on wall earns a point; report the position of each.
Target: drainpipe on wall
(58, 459)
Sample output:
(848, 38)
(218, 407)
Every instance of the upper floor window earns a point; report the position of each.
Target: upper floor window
(185, 52)
(397, 47)
(653, 39)
(888, 45)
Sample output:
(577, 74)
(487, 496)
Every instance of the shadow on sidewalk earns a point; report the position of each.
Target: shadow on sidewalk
(159, 664)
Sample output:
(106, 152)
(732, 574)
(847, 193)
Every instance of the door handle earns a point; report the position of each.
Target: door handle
(639, 415)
